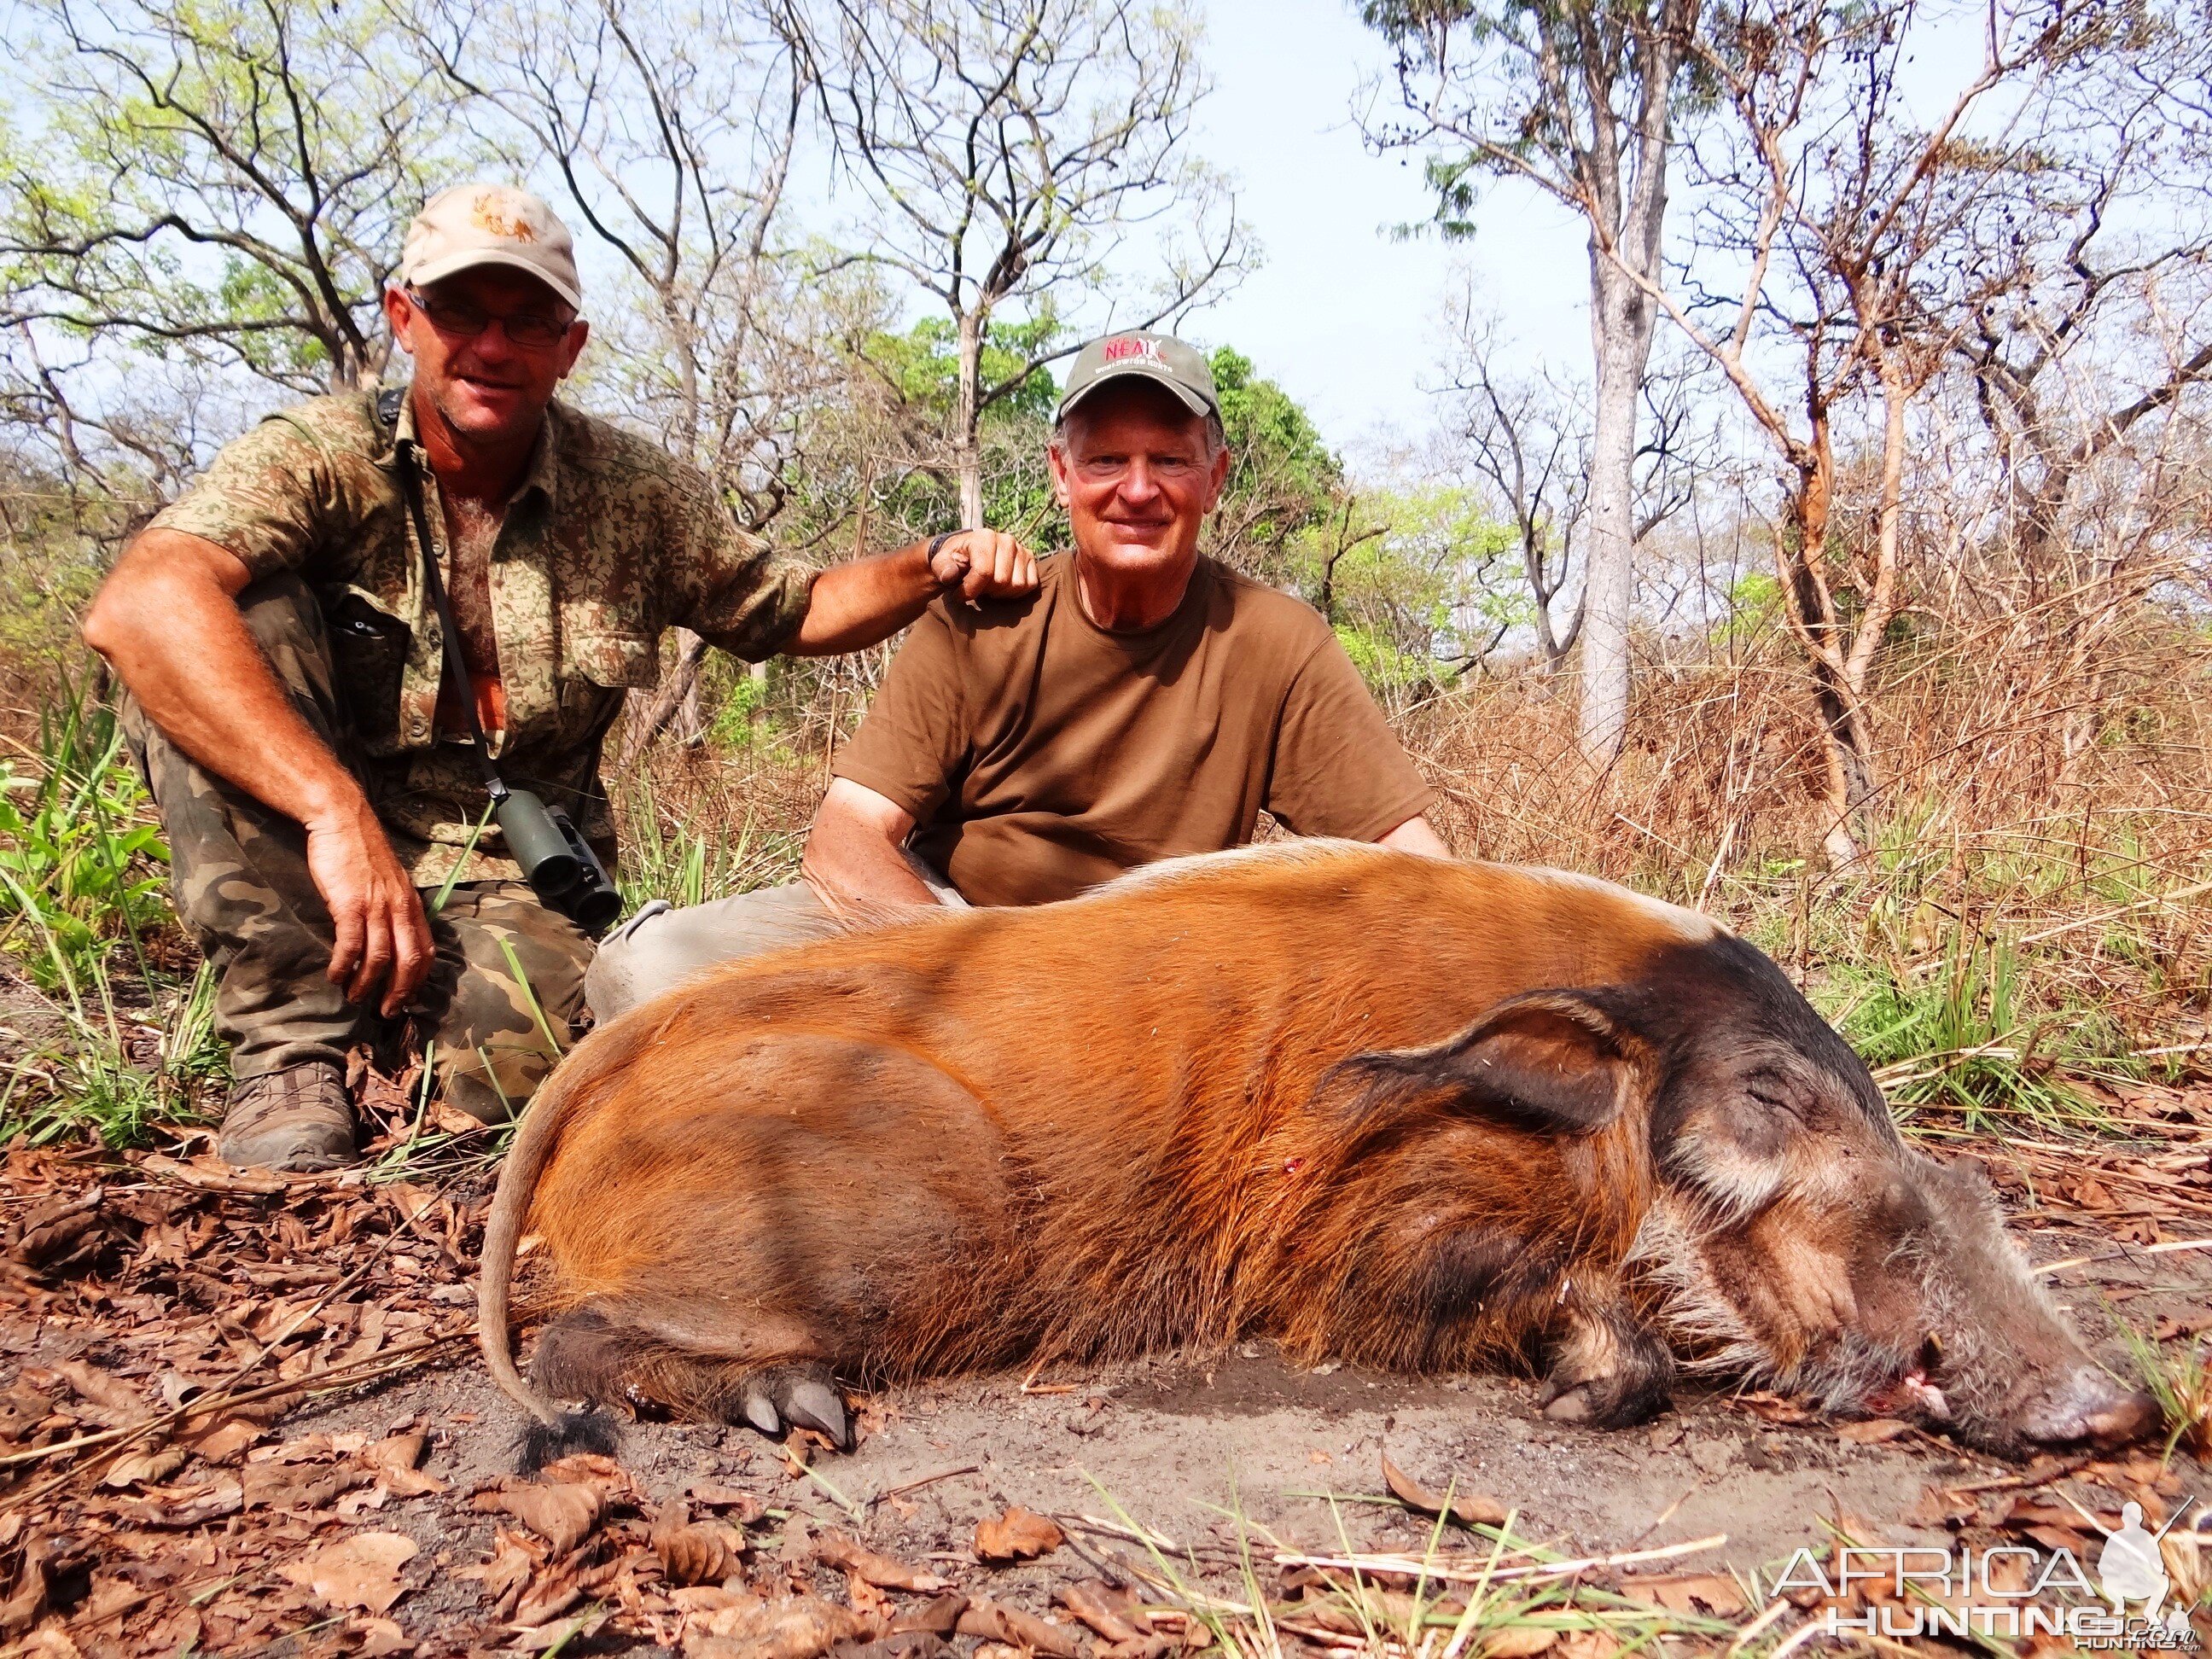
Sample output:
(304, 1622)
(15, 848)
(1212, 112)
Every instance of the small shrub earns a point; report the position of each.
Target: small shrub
(79, 869)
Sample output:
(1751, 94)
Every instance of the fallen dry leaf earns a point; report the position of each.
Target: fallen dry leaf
(1094, 1604)
(1772, 1408)
(996, 1622)
(141, 1469)
(745, 1507)
(882, 1571)
(505, 1575)
(603, 1474)
(1715, 1592)
(535, 1638)
(1470, 1508)
(695, 1553)
(298, 1486)
(798, 1627)
(1019, 1534)
(1874, 1431)
(562, 1514)
(227, 1441)
(1517, 1642)
(940, 1617)
(114, 1401)
(381, 1639)
(22, 1610)
(398, 1451)
(191, 1506)
(360, 1571)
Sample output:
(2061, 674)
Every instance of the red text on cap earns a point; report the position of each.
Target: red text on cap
(1130, 345)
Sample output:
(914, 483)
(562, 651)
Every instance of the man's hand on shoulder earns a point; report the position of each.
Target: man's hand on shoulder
(853, 605)
(983, 564)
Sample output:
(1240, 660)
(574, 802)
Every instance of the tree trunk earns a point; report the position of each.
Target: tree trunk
(678, 689)
(968, 420)
(1621, 319)
(1811, 608)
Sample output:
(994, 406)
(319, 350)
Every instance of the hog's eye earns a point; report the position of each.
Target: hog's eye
(1771, 1095)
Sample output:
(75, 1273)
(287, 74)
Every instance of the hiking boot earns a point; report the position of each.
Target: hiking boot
(297, 1120)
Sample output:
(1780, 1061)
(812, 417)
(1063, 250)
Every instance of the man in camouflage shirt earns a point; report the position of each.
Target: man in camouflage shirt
(325, 813)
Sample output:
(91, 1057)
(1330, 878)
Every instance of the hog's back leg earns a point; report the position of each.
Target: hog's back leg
(796, 1208)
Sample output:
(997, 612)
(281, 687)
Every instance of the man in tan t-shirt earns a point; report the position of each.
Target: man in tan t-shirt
(1144, 703)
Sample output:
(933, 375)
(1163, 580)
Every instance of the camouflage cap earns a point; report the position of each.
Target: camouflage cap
(1158, 357)
(471, 224)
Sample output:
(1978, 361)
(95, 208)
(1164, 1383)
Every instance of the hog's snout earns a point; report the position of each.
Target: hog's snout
(2084, 1405)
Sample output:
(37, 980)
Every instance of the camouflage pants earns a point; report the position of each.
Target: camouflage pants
(238, 876)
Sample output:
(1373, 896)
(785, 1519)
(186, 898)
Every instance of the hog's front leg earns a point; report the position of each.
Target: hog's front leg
(1607, 1369)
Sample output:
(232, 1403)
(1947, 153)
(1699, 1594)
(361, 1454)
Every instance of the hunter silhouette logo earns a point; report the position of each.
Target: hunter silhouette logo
(2129, 1567)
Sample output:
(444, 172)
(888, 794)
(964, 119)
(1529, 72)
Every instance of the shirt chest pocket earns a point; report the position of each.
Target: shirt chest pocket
(609, 661)
(597, 671)
(369, 645)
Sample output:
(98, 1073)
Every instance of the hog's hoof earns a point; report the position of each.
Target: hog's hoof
(1609, 1374)
(797, 1398)
(1574, 1405)
(1601, 1404)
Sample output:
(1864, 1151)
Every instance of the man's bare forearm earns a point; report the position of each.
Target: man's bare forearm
(1417, 836)
(860, 604)
(855, 853)
(856, 606)
(167, 620)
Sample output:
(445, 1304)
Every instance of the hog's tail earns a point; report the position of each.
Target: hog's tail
(551, 1432)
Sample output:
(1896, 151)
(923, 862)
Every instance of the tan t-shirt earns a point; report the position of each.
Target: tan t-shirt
(1041, 754)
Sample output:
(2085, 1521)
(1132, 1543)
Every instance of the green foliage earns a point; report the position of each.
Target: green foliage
(689, 859)
(1419, 592)
(1961, 1037)
(1382, 663)
(1282, 479)
(2181, 1383)
(744, 712)
(924, 365)
(99, 1083)
(82, 870)
(908, 383)
(222, 181)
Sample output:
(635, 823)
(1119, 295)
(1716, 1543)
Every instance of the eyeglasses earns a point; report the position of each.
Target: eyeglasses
(464, 321)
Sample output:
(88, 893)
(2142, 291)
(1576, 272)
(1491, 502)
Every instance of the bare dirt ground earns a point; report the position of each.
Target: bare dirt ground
(238, 1417)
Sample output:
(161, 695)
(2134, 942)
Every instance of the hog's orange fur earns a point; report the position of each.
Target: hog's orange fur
(1087, 1129)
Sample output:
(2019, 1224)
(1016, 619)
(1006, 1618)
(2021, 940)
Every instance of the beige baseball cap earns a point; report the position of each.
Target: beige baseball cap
(1159, 357)
(472, 225)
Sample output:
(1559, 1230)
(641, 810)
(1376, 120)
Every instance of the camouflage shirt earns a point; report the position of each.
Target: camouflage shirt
(607, 542)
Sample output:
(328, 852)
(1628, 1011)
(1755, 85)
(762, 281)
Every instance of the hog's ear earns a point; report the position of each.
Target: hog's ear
(1551, 1062)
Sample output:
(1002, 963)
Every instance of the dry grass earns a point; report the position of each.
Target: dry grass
(2046, 833)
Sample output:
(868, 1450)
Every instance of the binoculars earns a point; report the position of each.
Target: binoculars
(558, 863)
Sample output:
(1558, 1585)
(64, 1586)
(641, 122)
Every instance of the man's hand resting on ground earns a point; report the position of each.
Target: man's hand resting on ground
(984, 564)
(374, 906)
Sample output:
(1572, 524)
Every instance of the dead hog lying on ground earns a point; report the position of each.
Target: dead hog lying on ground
(1385, 1110)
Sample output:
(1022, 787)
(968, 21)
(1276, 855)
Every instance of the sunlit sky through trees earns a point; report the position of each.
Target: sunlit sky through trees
(1342, 314)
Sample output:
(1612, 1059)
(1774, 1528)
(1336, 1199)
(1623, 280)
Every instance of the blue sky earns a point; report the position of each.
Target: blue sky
(1343, 315)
